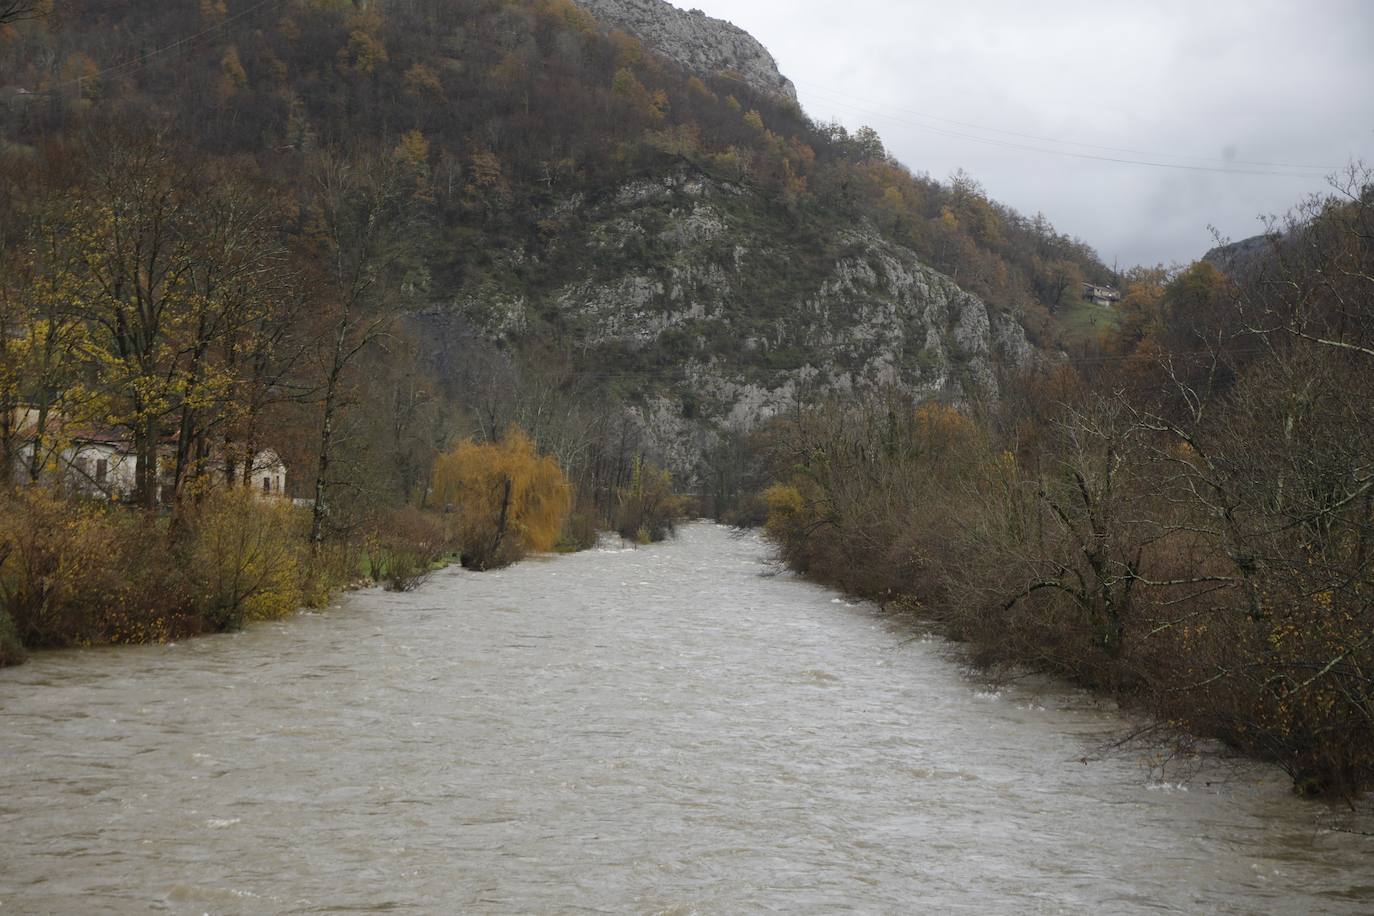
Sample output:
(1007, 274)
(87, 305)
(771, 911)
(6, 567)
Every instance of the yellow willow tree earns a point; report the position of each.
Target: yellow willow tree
(508, 499)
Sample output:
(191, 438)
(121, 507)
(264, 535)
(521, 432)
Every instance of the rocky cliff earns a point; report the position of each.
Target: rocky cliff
(694, 40)
(717, 311)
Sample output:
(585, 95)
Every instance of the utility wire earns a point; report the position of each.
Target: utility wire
(1024, 136)
(137, 63)
(1007, 144)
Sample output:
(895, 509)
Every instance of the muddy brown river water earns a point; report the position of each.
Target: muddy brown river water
(668, 730)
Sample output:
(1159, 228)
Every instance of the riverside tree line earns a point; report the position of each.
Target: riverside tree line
(1184, 518)
(260, 235)
(228, 226)
(203, 314)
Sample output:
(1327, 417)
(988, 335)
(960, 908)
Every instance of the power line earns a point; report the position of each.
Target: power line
(1006, 144)
(137, 63)
(1042, 139)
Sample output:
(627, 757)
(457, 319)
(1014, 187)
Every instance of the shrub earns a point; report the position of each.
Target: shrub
(82, 572)
(331, 566)
(580, 530)
(11, 649)
(506, 499)
(405, 570)
(647, 510)
(244, 559)
(409, 544)
(56, 579)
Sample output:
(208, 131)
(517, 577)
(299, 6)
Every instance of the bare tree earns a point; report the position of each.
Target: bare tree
(16, 10)
(361, 210)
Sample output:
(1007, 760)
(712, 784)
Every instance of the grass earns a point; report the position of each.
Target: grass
(1081, 320)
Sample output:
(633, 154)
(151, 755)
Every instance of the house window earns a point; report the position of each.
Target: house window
(267, 485)
(102, 471)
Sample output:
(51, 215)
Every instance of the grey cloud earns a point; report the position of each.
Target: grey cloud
(1211, 84)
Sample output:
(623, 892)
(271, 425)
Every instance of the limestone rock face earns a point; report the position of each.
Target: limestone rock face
(721, 314)
(694, 40)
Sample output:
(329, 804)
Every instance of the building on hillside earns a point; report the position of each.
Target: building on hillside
(1102, 296)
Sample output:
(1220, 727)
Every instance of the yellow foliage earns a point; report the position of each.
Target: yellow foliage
(783, 501)
(508, 498)
(629, 51)
(421, 80)
(487, 173)
(365, 51)
(232, 75)
(568, 14)
(245, 558)
(213, 11)
(697, 87)
(83, 73)
(942, 430)
(634, 95)
(413, 150)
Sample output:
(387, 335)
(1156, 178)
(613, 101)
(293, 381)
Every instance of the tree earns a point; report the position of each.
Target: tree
(41, 338)
(139, 260)
(648, 508)
(358, 218)
(1055, 280)
(508, 498)
(17, 10)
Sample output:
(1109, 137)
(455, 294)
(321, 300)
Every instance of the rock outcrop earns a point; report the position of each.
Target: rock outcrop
(694, 40)
(738, 317)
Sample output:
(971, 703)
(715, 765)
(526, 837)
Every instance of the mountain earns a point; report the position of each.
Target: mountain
(716, 311)
(698, 42)
(617, 200)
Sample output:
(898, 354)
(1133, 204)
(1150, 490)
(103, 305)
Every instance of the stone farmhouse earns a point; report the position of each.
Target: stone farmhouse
(1101, 296)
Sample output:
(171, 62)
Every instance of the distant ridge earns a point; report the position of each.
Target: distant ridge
(696, 41)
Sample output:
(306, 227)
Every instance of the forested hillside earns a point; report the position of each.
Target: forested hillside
(1184, 520)
(504, 137)
(365, 235)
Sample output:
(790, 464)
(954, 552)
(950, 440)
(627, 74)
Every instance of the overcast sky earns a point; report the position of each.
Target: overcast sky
(1211, 84)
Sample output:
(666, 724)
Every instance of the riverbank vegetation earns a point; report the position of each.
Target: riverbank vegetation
(508, 499)
(247, 245)
(326, 241)
(82, 572)
(1183, 519)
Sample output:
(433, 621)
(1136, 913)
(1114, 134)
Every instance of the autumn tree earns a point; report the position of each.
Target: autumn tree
(1058, 280)
(648, 509)
(358, 216)
(44, 337)
(507, 498)
(139, 258)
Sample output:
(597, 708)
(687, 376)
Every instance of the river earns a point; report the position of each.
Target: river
(676, 730)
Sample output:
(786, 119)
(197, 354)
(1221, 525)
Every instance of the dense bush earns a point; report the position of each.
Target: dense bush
(506, 499)
(331, 566)
(245, 559)
(581, 529)
(647, 509)
(407, 547)
(76, 573)
(85, 573)
(1218, 576)
(11, 649)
